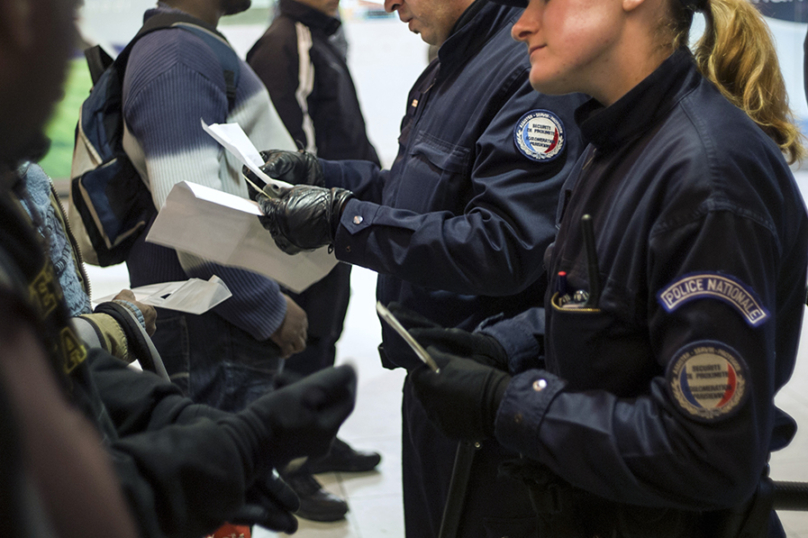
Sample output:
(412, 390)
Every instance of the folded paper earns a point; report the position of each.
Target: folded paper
(225, 229)
(233, 138)
(194, 296)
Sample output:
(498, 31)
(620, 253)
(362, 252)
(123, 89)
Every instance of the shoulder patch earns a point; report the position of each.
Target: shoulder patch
(714, 286)
(708, 380)
(539, 135)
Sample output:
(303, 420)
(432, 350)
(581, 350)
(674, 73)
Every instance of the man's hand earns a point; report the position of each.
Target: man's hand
(304, 217)
(148, 311)
(462, 400)
(295, 167)
(479, 347)
(292, 334)
(270, 502)
(300, 419)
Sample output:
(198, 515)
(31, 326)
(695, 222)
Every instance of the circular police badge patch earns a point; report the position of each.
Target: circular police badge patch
(708, 380)
(539, 135)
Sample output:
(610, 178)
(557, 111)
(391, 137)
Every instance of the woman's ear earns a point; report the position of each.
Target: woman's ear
(631, 5)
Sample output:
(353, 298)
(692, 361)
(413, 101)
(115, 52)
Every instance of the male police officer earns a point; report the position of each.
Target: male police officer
(456, 228)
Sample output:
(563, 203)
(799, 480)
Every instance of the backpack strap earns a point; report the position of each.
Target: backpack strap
(98, 61)
(215, 40)
(224, 52)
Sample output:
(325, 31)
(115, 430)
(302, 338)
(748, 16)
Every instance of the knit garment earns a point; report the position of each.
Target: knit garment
(173, 79)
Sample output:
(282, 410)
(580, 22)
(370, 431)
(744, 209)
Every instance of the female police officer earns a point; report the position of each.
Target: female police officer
(680, 315)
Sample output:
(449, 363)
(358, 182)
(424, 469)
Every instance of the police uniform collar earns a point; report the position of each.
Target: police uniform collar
(467, 39)
(468, 15)
(309, 16)
(638, 110)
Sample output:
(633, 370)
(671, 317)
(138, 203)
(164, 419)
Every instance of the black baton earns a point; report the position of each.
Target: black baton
(790, 496)
(464, 458)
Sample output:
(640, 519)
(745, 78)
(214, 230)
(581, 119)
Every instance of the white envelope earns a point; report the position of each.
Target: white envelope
(194, 296)
(224, 228)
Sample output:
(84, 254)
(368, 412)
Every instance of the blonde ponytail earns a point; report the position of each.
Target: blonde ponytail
(737, 54)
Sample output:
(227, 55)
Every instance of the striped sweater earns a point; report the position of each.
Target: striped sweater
(172, 80)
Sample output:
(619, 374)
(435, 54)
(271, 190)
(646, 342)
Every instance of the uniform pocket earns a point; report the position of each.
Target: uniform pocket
(436, 175)
(593, 349)
(443, 155)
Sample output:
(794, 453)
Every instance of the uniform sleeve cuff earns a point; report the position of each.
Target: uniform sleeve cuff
(523, 408)
(332, 172)
(350, 241)
(517, 336)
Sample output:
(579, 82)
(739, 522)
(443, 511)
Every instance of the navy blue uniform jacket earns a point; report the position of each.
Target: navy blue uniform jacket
(458, 226)
(662, 395)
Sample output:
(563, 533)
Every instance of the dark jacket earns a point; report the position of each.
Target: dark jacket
(162, 446)
(313, 94)
(661, 397)
(458, 226)
(456, 230)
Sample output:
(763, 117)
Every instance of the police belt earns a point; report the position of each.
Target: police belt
(565, 511)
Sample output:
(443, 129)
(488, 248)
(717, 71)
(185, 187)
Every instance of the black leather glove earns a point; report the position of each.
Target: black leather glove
(270, 502)
(295, 167)
(300, 419)
(481, 348)
(462, 400)
(304, 217)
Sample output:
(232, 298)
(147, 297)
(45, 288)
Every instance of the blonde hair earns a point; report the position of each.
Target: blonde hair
(737, 54)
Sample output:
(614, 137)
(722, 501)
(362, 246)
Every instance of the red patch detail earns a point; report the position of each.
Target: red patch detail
(554, 144)
(732, 382)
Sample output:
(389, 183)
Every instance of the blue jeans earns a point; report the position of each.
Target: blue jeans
(214, 362)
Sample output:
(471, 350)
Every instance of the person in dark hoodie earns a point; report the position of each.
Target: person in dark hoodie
(311, 87)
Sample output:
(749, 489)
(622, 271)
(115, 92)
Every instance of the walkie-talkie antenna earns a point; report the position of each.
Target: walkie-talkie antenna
(591, 261)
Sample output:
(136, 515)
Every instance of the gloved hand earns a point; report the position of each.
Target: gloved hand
(300, 419)
(295, 167)
(462, 400)
(480, 347)
(304, 217)
(270, 502)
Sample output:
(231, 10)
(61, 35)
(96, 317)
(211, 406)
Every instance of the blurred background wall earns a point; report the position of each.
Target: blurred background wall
(384, 57)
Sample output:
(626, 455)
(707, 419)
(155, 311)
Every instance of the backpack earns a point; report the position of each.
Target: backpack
(111, 205)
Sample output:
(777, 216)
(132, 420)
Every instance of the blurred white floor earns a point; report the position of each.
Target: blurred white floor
(385, 60)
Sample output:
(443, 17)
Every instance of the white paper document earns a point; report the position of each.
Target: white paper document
(224, 228)
(235, 140)
(194, 296)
